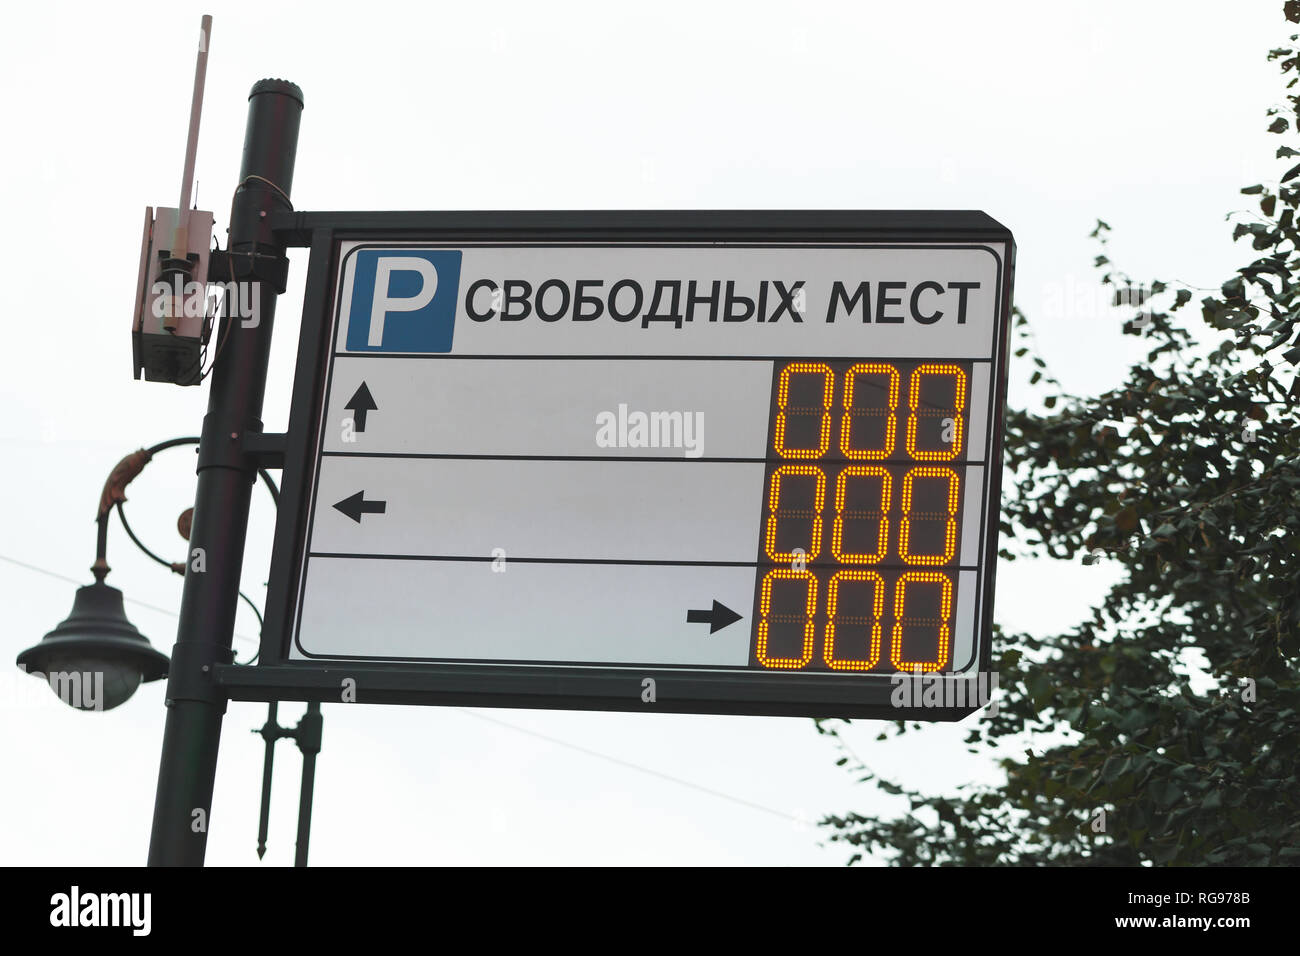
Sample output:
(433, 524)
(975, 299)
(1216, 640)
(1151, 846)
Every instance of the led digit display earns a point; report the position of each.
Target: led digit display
(851, 509)
(801, 619)
(919, 616)
(794, 519)
(867, 429)
(913, 517)
(881, 598)
(854, 632)
(794, 419)
(948, 411)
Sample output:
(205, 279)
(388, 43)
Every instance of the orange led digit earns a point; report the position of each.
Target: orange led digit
(774, 512)
(891, 419)
(765, 610)
(783, 402)
(950, 520)
(877, 609)
(837, 534)
(915, 403)
(943, 625)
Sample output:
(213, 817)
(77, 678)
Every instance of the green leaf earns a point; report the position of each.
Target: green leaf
(1126, 520)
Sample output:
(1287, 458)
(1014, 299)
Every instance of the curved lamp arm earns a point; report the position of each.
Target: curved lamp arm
(114, 493)
(113, 497)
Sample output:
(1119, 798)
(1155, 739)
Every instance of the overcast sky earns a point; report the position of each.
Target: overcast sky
(1046, 116)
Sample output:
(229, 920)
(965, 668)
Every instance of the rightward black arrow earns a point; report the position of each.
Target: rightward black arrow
(354, 506)
(359, 404)
(717, 618)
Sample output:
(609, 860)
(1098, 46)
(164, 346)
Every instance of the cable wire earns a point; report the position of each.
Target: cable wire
(633, 766)
(74, 581)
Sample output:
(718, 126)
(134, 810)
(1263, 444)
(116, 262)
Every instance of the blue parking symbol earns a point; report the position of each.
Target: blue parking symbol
(403, 300)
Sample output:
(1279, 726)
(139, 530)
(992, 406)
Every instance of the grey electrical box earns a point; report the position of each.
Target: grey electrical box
(171, 303)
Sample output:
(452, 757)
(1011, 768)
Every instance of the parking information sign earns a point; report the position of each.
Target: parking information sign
(736, 476)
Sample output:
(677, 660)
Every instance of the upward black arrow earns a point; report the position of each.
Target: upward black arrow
(359, 404)
(354, 506)
(717, 618)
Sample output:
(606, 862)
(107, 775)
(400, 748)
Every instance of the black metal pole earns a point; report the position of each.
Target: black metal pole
(187, 772)
(309, 739)
(269, 734)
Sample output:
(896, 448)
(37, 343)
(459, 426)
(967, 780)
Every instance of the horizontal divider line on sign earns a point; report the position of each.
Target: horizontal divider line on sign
(655, 458)
(753, 671)
(663, 358)
(814, 564)
(418, 454)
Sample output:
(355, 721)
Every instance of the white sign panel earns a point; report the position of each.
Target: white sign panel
(725, 457)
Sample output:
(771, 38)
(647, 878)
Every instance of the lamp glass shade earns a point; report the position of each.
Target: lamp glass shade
(96, 658)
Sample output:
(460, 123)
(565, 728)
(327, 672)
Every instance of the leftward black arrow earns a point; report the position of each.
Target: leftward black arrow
(717, 618)
(361, 403)
(354, 506)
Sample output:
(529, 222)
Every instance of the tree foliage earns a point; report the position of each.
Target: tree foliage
(1175, 707)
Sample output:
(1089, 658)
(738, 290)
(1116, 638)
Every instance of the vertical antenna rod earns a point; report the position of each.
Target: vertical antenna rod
(181, 239)
(196, 109)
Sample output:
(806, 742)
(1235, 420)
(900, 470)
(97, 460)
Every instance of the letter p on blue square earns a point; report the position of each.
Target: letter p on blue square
(403, 300)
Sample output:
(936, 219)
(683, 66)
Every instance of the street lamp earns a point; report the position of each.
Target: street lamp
(95, 659)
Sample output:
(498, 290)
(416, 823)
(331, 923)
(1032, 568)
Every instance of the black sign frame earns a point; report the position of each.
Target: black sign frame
(276, 677)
